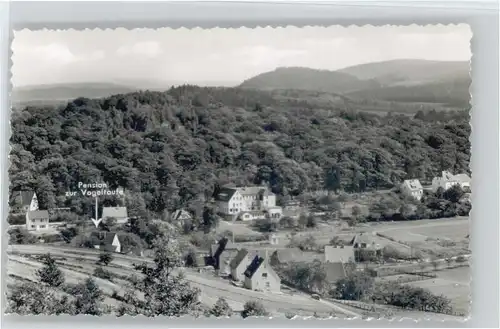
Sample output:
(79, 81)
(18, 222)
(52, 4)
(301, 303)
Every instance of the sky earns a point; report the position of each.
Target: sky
(220, 56)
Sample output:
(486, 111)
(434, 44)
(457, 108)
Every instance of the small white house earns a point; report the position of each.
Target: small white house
(37, 220)
(413, 188)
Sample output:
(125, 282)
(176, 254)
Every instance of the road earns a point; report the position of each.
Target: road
(212, 287)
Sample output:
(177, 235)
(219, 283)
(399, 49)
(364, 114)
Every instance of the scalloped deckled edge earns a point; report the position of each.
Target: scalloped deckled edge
(247, 26)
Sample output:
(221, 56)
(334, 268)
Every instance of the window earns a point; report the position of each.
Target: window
(264, 275)
(268, 285)
(32, 226)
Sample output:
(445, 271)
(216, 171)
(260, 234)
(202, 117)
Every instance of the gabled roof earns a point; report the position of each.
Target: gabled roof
(334, 271)
(102, 238)
(37, 214)
(225, 194)
(254, 190)
(240, 256)
(254, 266)
(288, 255)
(462, 178)
(413, 184)
(114, 212)
(222, 245)
(366, 238)
(181, 214)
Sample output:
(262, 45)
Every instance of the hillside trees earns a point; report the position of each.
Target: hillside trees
(174, 151)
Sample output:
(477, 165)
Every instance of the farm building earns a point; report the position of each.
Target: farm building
(260, 276)
(366, 246)
(412, 188)
(334, 271)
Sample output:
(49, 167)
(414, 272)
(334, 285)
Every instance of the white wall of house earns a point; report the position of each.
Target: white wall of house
(37, 224)
(116, 243)
(264, 279)
(238, 272)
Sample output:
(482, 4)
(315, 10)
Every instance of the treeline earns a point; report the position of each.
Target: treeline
(176, 148)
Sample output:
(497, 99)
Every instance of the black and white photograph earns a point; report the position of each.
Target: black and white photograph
(291, 172)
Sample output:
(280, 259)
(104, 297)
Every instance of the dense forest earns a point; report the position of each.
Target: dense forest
(176, 148)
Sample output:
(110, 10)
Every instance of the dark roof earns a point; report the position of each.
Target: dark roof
(334, 271)
(254, 266)
(222, 245)
(38, 214)
(225, 194)
(102, 238)
(238, 258)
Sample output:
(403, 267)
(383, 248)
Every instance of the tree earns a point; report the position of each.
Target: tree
(19, 235)
(221, 308)
(30, 298)
(69, 233)
(50, 272)
(166, 292)
(356, 211)
(253, 308)
(210, 219)
(105, 258)
(353, 287)
(89, 298)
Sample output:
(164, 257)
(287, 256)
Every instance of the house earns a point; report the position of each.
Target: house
(339, 253)
(334, 271)
(366, 246)
(118, 213)
(37, 220)
(232, 201)
(413, 188)
(447, 180)
(222, 253)
(365, 241)
(106, 241)
(239, 264)
(181, 215)
(260, 276)
(25, 201)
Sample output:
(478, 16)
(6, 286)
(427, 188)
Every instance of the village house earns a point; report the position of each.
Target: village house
(222, 253)
(24, 201)
(366, 244)
(412, 188)
(106, 241)
(37, 220)
(118, 213)
(447, 180)
(287, 255)
(252, 202)
(260, 276)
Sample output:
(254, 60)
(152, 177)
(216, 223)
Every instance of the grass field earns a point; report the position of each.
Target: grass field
(452, 283)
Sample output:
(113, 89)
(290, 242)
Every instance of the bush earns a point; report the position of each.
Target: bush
(354, 287)
(103, 274)
(105, 258)
(221, 309)
(19, 235)
(253, 308)
(50, 272)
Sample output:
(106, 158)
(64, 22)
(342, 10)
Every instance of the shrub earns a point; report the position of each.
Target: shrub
(253, 308)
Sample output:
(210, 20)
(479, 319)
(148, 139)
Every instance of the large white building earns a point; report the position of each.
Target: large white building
(250, 201)
(447, 180)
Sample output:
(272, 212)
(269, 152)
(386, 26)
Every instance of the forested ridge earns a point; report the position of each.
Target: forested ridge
(176, 148)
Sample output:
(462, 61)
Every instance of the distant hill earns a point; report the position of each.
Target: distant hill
(409, 71)
(60, 92)
(301, 78)
(407, 81)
